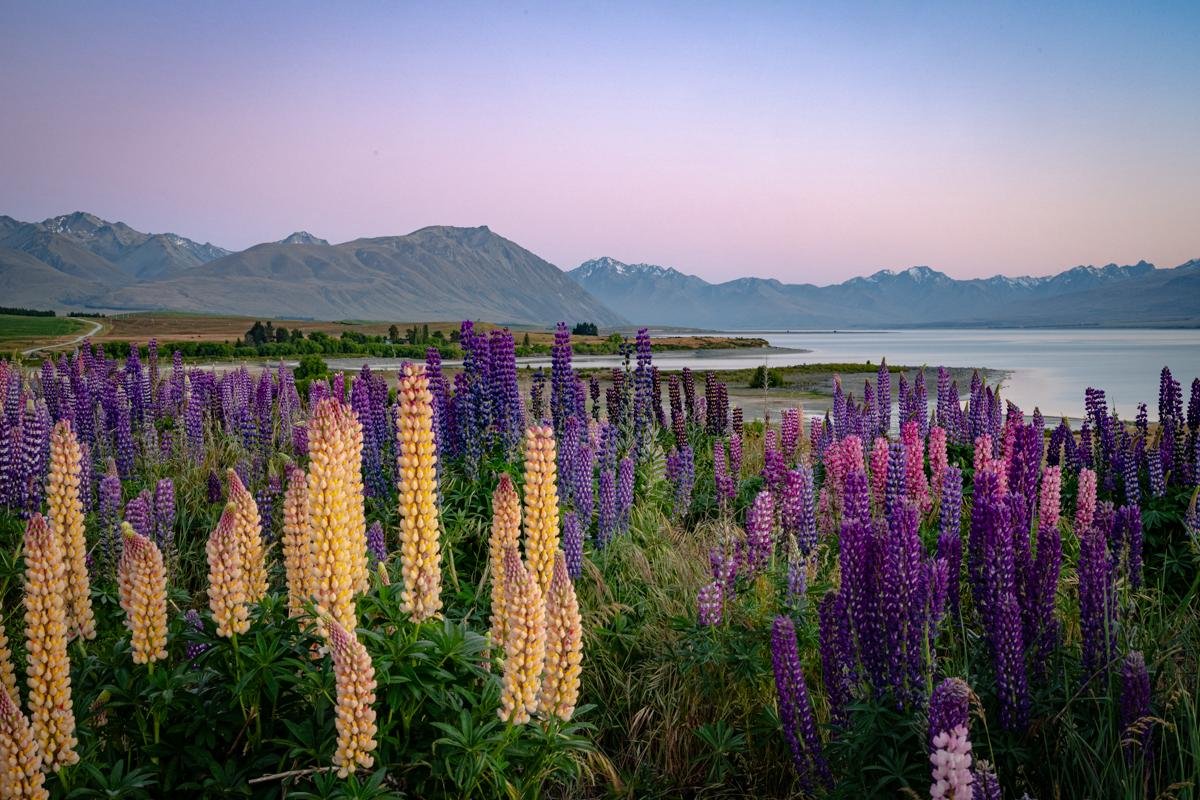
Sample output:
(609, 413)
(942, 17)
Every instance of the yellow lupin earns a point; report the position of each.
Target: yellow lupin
(295, 540)
(142, 582)
(506, 532)
(355, 679)
(416, 473)
(524, 641)
(21, 775)
(227, 596)
(564, 645)
(248, 533)
(8, 675)
(337, 529)
(541, 504)
(48, 670)
(66, 520)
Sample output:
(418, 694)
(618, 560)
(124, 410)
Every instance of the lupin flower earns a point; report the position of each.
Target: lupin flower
(416, 474)
(337, 529)
(142, 580)
(795, 709)
(914, 465)
(564, 646)
(710, 603)
(524, 640)
(227, 594)
(8, 675)
(376, 547)
(48, 671)
(879, 465)
(1136, 720)
(572, 542)
(164, 513)
(249, 538)
(625, 481)
(1085, 501)
(20, 762)
(760, 519)
(354, 675)
(797, 513)
(66, 519)
(949, 708)
(541, 504)
(506, 531)
(194, 649)
(951, 760)
(1097, 595)
(296, 546)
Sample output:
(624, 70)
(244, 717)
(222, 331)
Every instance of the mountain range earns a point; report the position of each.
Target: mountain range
(81, 262)
(1139, 294)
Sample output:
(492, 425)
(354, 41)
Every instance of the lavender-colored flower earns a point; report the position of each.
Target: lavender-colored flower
(266, 498)
(562, 377)
(572, 543)
(110, 510)
(1097, 595)
(735, 457)
(949, 546)
(795, 709)
(1136, 720)
(442, 427)
(164, 514)
(760, 520)
(798, 508)
(837, 656)
(1130, 518)
(508, 417)
(194, 649)
(883, 399)
(643, 395)
(608, 518)
(376, 546)
(371, 459)
(216, 493)
(710, 603)
(681, 473)
(139, 514)
(995, 583)
(726, 485)
(985, 785)
(625, 481)
(716, 405)
(949, 707)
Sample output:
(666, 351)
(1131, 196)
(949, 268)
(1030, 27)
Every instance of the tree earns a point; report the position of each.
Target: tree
(393, 334)
(297, 335)
(281, 334)
(764, 378)
(525, 341)
(585, 329)
(425, 333)
(311, 366)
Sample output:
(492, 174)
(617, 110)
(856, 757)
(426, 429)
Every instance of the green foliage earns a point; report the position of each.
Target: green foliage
(585, 329)
(764, 378)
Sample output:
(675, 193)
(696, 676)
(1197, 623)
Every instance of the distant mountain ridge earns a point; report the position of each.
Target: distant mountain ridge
(1138, 294)
(79, 261)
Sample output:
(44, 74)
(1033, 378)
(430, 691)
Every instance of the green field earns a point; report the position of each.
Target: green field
(16, 330)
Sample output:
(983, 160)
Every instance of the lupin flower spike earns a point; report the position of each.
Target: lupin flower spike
(564, 645)
(524, 641)
(227, 596)
(541, 504)
(66, 519)
(19, 759)
(354, 675)
(416, 472)
(506, 531)
(142, 580)
(48, 669)
(296, 553)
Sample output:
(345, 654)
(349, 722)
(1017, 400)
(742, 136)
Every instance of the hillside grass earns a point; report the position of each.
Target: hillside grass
(20, 331)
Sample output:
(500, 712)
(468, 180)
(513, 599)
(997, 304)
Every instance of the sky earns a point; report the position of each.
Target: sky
(805, 142)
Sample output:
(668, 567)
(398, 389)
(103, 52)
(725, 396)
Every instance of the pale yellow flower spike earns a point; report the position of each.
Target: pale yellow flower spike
(337, 535)
(296, 553)
(416, 475)
(20, 765)
(227, 596)
(541, 503)
(48, 670)
(142, 581)
(66, 520)
(506, 532)
(8, 675)
(524, 642)
(355, 678)
(249, 539)
(564, 646)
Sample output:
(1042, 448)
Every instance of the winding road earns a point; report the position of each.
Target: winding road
(96, 328)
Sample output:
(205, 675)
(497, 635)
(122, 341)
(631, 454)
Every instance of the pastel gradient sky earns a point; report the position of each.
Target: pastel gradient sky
(803, 142)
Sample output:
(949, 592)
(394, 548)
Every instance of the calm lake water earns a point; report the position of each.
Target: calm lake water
(1047, 368)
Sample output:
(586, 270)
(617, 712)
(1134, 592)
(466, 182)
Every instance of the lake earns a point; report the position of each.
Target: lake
(1048, 368)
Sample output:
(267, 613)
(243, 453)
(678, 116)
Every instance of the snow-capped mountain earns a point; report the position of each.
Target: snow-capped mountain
(1138, 294)
(302, 237)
